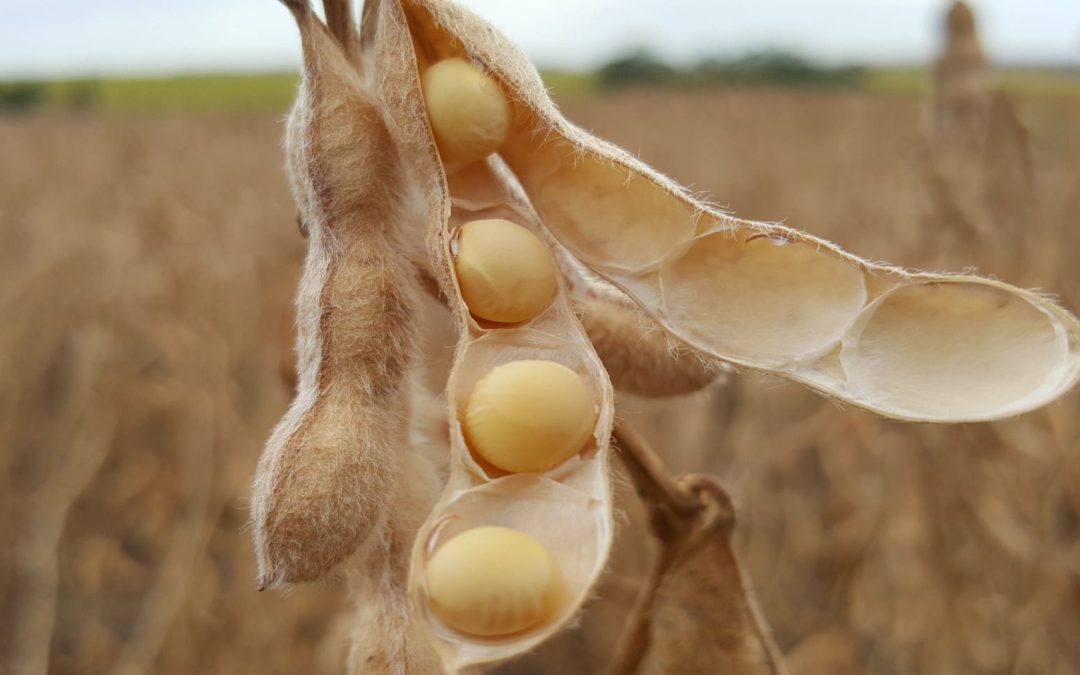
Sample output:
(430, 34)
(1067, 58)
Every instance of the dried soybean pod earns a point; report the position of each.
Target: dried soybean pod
(351, 467)
(907, 345)
(326, 478)
(567, 508)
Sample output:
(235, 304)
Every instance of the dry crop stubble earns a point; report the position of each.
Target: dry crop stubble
(843, 493)
(138, 392)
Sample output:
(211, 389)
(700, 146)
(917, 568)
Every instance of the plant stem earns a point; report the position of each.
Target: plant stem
(695, 579)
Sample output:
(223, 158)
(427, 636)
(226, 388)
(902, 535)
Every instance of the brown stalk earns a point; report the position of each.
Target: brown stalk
(36, 563)
(187, 544)
(711, 618)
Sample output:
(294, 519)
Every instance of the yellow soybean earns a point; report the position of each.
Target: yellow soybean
(506, 274)
(491, 581)
(529, 416)
(469, 114)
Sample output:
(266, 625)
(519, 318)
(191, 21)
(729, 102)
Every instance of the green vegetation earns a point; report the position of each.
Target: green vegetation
(271, 91)
(898, 80)
(275, 91)
(566, 83)
(639, 68)
(762, 68)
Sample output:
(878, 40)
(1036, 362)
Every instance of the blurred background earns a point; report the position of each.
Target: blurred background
(149, 251)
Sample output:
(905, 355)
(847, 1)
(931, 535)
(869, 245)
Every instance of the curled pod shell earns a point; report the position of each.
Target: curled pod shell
(908, 345)
(327, 476)
(566, 509)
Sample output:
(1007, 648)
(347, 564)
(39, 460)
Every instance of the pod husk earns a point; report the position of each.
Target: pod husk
(568, 509)
(766, 296)
(351, 470)
(327, 476)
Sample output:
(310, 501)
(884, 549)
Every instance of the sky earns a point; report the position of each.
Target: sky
(56, 38)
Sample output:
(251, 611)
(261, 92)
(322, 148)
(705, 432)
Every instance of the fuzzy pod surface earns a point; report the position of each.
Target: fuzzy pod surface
(326, 478)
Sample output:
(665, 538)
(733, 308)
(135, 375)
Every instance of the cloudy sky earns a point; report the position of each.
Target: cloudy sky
(71, 37)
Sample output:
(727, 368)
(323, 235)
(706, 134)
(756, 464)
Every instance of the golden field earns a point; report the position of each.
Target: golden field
(145, 266)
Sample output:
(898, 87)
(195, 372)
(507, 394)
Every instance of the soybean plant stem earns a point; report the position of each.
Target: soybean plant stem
(693, 519)
(651, 479)
(664, 501)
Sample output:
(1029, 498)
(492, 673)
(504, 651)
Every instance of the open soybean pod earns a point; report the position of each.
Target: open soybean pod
(511, 549)
(907, 345)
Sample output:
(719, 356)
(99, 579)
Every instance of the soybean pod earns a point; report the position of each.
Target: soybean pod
(566, 264)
